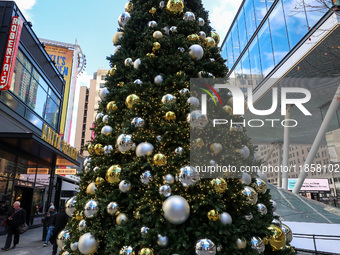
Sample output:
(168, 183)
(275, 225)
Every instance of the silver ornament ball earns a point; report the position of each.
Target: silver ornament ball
(169, 179)
(225, 218)
(91, 208)
(125, 186)
(112, 208)
(205, 247)
(106, 130)
(62, 238)
(165, 190)
(70, 206)
(103, 93)
(82, 225)
(162, 241)
(144, 149)
(189, 16)
(176, 209)
(188, 176)
(123, 19)
(146, 177)
(158, 79)
(196, 51)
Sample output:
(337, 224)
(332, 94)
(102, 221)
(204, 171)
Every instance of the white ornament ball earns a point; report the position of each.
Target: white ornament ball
(106, 130)
(196, 51)
(158, 79)
(193, 101)
(144, 149)
(128, 62)
(74, 246)
(124, 186)
(162, 241)
(225, 218)
(201, 22)
(176, 209)
(88, 244)
(103, 93)
(137, 63)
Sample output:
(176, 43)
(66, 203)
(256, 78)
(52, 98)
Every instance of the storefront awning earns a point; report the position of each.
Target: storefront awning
(31, 144)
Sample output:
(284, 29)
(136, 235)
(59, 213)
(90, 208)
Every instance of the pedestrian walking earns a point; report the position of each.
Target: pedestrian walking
(16, 216)
(49, 219)
(60, 221)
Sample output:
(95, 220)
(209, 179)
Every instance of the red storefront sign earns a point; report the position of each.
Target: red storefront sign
(11, 53)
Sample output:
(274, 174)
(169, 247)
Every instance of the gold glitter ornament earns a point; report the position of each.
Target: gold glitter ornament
(175, 6)
(215, 36)
(170, 116)
(193, 37)
(131, 100)
(128, 6)
(99, 180)
(159, 159)
(113, 174)
(213, 215)
(209, 42)
(113, 70)
(152, 10)
(146, 251)
(98, 149)
(111, 106)
(219, 185)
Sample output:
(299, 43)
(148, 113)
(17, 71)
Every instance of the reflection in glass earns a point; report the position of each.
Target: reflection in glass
(20, 81)
(242, 31)
(236, 43)
(278, 33)
(37, 98)
(269, 3)
(246, 70)
(266, 50)
(260, 11)
(54, 96)
(296, 22)
(315, 10)
(52, 112)
(230, 54)
(255, 63)
(250, 17)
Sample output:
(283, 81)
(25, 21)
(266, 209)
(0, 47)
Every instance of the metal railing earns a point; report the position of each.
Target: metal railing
(315, 238)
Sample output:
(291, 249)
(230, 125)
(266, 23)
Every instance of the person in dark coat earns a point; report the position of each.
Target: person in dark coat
(60, 221)
(49, 219)
(16, 216)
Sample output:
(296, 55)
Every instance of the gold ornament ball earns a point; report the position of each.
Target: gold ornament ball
(150, 55)
(128, 6)
(111, 106)
(219, 184)
(198, 143)
(145, 251)
(113, 174)
(120, 84)
(116, 37)
(216, 148)
(277, 240)
(79, 216)
(113, 70)
(228, 109)
(241, 243)
(157, 35)
(175, 6)
(98, 149)
(156, 45)
(99, 180)
(122, 217)
(153, 10)
(209, 42)
(170, 115)
(131, 100)
(215, 36)
(90, 148)
(193, 37)
(91, 188)
(260, 185)
(159, 159)
(250, 194)
(180, 73)
(213, 215)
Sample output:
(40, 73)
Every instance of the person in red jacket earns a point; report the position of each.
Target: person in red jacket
(16, 216)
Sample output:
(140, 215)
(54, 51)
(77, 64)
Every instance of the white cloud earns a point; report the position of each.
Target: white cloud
(25, 6)
(221, 14)
(84, 79)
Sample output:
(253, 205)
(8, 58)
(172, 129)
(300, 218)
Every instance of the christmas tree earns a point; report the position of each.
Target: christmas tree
(139, 193)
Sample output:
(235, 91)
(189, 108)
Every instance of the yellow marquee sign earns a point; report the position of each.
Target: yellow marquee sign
(55, 140)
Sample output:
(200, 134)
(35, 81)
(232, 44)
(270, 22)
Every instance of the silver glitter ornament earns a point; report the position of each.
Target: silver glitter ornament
(112, 208)
(205, 247)
(146, 177)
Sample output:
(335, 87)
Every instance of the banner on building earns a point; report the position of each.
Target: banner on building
(10, 53)
(63, 59)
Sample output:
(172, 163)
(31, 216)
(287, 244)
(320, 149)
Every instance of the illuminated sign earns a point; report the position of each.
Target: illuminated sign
(63, 59)
(40, 170)
(310, 185)
(65, 171)
(10, 53)
(54, 139)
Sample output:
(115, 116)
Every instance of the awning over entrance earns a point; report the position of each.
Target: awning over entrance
(31, 144)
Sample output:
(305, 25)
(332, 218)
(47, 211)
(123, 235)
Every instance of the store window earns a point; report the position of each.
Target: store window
(33, 90)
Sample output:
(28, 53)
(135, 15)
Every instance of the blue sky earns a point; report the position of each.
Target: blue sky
(93, 24)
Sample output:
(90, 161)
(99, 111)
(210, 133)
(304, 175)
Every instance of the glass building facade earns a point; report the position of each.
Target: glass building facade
(263, 33)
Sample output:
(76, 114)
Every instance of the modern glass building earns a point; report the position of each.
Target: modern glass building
(265, 32)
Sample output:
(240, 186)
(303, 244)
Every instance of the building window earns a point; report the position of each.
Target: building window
(103, 77)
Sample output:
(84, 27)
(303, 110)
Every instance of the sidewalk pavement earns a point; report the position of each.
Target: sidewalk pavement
(29, 243)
